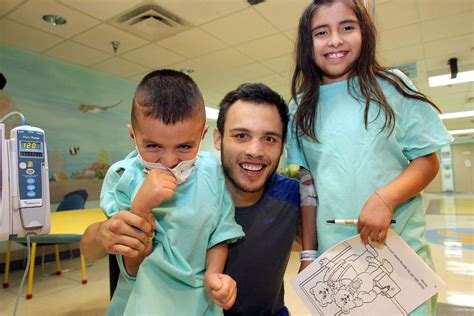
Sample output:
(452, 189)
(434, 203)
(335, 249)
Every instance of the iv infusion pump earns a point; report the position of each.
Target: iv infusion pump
(24, 203)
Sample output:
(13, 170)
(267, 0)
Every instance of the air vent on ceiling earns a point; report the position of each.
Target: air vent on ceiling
(151, 22)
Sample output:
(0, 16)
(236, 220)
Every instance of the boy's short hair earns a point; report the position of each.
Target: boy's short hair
(257, 93)
(168, 95)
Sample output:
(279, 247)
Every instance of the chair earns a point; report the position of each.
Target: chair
(72, 201)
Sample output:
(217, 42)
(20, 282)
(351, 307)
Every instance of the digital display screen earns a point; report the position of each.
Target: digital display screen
(30, 154)
(30, 145)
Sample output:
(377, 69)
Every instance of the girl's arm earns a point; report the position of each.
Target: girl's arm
(220, 287)
(374, 220)
(308, 217)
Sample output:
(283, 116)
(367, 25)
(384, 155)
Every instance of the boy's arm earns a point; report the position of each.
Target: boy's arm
(308, 218)
(377, 212)
(220, 287)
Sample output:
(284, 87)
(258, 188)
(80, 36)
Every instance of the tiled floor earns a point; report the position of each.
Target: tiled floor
(450, 233)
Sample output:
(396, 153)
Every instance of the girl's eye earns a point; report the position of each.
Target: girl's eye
(348, 27)
(319, 33)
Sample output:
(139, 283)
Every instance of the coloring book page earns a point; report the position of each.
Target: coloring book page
(356, 279)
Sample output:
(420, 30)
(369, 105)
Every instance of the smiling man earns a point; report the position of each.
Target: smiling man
(250, 133)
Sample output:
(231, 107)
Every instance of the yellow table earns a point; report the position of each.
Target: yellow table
(66, 227)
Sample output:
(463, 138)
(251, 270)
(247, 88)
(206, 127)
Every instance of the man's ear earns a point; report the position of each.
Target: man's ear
(217, 139)
(130, 132)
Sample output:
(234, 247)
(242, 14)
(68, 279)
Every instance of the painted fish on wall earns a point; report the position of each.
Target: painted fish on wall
(91, 108)
(73, 150)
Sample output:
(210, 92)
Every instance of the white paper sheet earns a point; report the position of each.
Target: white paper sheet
(356, 279)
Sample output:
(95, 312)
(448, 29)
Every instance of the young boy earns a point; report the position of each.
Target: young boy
(185, 192)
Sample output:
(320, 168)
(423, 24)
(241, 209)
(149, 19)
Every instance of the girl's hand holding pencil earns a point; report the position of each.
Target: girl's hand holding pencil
(375, 219)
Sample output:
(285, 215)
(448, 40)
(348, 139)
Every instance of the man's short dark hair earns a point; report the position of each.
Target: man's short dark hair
(168, 95)
(256, 93)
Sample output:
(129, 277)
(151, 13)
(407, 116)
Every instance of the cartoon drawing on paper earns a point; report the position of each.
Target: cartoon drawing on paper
(350, 280)
(356, 279)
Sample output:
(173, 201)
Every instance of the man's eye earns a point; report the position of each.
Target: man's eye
(240, 136)
(270, 139)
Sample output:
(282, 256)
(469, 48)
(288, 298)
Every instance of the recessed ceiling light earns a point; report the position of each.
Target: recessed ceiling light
(54, 19)
(462, 131)
(445, 80)
(453, 115)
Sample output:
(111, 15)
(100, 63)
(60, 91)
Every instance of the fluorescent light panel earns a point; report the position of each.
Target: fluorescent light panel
(444, 80)
(447, 116)
(462, 131)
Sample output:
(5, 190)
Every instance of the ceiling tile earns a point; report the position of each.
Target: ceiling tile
(291, 34)
(21, 36)
(449, 47)
(399, 37)
(248, 73)
(240, 27)
(280, 64)
(192, 43)
(268, 47)
(101, 37)
(401, 55)
(31, 14)
(447, 27)
(389, 15)
(434, 9)
(153, 56)
(203, 10)
(229, 57)
(274, 80)
(77, 54)
(101, 9)
(120, 67)
(8, 5)
(283, 14)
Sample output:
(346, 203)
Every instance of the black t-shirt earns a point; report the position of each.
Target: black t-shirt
(258, 261)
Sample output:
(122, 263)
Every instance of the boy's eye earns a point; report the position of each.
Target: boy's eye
(152, 146)
(185, 147)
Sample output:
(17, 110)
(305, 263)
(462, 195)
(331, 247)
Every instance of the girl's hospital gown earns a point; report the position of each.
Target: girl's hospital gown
(351, 162)
(199, 216)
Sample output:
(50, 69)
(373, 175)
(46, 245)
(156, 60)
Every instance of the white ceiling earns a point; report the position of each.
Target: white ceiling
(230, 41)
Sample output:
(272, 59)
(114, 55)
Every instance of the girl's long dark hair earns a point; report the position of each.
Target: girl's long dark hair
(307, 76)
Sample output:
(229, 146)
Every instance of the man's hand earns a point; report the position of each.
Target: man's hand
(125, 234)
(374, 220)
(158, 186)
(221, 288)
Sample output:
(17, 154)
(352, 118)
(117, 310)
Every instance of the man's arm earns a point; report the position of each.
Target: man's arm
(124, 234)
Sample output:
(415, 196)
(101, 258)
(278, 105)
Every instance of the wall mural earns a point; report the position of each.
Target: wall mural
(83, 113)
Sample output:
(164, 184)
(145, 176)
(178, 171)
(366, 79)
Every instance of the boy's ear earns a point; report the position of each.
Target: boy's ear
(130, 132)
(217, 139)
(204, 132)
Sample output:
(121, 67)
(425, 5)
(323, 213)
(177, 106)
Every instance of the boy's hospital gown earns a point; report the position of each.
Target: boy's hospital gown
(199, 216)
(351, 162)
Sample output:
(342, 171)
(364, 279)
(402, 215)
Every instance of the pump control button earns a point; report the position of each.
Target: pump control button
(31, 193)
(30, 171)
(30, 187)
(30, 180)
(22, 165)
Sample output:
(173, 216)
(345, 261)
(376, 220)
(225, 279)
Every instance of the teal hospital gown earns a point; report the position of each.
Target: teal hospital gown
(351, 162)
(199, 216)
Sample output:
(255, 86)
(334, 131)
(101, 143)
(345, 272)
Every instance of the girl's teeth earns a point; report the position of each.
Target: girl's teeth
(251, 167)
(335, 55)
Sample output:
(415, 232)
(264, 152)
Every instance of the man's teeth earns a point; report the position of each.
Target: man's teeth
(336, 55)
(251, 167)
